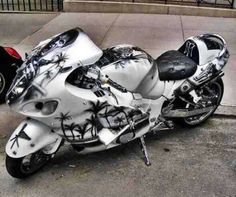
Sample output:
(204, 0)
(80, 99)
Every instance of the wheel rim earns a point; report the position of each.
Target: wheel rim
(2, 83)
(33, 162)
(217, 89)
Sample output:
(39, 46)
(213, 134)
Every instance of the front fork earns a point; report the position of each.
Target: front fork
(31, 136)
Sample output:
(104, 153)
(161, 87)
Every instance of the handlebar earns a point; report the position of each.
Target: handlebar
(106, 79)
(117, 86)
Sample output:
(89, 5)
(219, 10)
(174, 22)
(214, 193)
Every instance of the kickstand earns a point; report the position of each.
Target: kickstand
(144, 150)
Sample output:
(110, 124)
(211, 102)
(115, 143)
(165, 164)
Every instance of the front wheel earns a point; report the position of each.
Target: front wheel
(210, 95)
(28, 165)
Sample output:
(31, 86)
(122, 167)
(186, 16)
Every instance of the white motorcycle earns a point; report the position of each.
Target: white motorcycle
(74, 92)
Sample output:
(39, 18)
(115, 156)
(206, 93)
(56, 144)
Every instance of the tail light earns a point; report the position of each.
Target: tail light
(12, 52)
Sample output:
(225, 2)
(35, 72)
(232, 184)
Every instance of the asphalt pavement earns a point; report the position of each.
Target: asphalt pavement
(185, 162)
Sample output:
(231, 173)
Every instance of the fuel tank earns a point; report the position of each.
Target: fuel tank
(132, 68)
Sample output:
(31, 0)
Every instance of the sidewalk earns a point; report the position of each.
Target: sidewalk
(153, 33)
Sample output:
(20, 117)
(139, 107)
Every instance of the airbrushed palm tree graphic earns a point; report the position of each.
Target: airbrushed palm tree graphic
(56, 68)
(62, 118)
(106, 114)
(119, 120)
(95, 108)
(92, 122)
(81, 129)
(71, 128)
(47, 76)
(119, 116)
(121, 109)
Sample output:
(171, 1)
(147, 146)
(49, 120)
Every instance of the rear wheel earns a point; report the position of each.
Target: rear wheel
(210, 95)
(28, 165)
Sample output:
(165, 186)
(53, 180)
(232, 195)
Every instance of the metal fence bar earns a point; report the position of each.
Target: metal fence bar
(2, 4)
(24, 4)
(29, 5)
(7, 5)
(232, 3)
(12, 1)
(35, 5)
(46, 4)
(58, 5)
(18, 4)
(40, 3)
(52, 5)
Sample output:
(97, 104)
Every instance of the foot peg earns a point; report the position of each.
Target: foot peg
(144, 150)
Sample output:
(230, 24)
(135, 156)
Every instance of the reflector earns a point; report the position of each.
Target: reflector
(12, 52)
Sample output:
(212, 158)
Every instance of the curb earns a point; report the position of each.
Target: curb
(225, 110)
(146, 8)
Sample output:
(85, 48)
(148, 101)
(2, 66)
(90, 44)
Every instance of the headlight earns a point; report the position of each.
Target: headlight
(49, 107)
(40, 108)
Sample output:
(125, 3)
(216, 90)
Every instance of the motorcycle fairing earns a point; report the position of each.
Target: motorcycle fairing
(75, 43)
(127, 65)
(50, 58)
(209, 52)
(84, 125)
(31, 136)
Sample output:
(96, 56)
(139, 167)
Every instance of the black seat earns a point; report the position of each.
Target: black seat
(173, 65)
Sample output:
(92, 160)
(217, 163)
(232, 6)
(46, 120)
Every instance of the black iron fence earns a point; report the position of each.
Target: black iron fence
(203, 3)
(31, 5)
(57, 5)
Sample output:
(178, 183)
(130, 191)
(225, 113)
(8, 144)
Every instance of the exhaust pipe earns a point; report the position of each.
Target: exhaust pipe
(184, 113)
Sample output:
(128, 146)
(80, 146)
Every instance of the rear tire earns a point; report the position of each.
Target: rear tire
(218, 88)
(26, 166)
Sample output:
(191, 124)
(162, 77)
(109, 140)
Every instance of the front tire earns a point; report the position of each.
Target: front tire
(28, 165)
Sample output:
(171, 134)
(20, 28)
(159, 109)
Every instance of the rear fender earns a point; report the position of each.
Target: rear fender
(31, 136)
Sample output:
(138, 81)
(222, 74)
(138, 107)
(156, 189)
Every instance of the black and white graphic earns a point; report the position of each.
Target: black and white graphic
(189, 46)
(21, 135)
(122, 55)
(102, 116)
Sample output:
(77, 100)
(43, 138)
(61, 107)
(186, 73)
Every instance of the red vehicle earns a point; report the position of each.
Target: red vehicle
(10, 60)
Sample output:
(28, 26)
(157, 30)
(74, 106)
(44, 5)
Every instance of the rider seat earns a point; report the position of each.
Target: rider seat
(174, 65)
